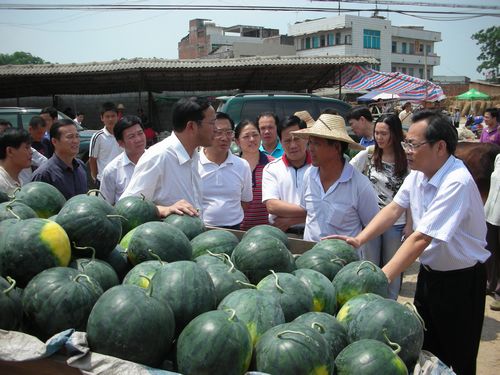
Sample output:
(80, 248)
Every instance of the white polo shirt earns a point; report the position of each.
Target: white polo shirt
(224, 187)
(166, 174)
(103, 147)
(7, 184)
(449, 209)
(492, 206)
(115, 178)
(36, 160)
(281, 180)
(348, 205)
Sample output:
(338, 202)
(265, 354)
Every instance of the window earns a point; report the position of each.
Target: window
(394, 47)
(322, 41)
(428, 48)
(331, 39)
(412, 49)
(315, 41)
(394, 69)
(403, 70)
(371, 39)
(337, 38)
(308, 43)
(411, 71)
(403, 48)
(421, 73)
(347, 39)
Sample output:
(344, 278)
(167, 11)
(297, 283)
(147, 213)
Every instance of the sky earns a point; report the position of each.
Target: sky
(77, 36)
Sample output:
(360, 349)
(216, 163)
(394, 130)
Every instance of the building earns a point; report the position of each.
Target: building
(207, 40)
(406, 49)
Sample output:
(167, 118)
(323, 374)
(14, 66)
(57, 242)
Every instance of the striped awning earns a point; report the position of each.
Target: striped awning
(356, 77)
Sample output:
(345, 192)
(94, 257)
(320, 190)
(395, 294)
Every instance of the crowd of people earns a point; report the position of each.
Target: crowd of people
(401, 197)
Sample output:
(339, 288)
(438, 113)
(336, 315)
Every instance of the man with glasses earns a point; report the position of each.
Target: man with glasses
(167, 173)
(226, 179)
(63, 170)
(449, 237)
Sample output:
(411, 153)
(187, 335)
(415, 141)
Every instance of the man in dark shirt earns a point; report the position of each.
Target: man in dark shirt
(63, 170)
(37, 130)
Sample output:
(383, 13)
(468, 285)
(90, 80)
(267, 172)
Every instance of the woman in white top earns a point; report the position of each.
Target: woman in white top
(386, 166)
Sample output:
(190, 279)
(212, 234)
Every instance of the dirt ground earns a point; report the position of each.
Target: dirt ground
(488, 361)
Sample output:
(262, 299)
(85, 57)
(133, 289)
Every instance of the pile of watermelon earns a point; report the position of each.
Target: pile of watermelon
(172, 294)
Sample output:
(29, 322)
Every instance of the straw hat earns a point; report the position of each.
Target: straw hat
(306, 117)
(329, 127)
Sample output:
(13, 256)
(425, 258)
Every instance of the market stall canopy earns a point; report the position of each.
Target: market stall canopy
(473, 94)
(361, 78)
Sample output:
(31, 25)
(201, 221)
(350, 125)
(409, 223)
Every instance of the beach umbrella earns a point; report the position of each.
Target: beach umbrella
(473, 94)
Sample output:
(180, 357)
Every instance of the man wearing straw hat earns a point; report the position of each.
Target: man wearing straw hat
(337, 198)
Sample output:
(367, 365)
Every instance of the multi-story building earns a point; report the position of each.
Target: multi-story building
(405, 49)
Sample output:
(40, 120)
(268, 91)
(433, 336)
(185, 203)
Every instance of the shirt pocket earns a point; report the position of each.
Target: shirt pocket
(339, 215)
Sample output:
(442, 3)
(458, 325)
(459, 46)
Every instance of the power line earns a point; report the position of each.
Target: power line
(416, 4)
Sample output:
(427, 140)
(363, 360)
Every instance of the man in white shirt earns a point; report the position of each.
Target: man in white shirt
(103, 146)
(167, 173)
(337, 198)
(226, 179)
(282, 179)
(15, 155)
(405, 115)
(449, 237)
(129, 134)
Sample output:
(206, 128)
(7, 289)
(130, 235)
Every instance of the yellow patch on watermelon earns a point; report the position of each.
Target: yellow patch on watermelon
(318, 304)
(343, 312)
(322, 370)
(398, 363)
(252, 329)
(56, 239)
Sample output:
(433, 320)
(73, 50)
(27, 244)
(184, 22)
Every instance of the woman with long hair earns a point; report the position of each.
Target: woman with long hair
(386, 166)
(247, 137)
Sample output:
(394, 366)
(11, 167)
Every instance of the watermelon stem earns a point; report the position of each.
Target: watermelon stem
(372, 266)
(156, 256)
(319, 327)
(276, 283)
(338, 261)
(414, 310)
(75, 279)
(96, 191)
(149, 289)
(12, 285)
(290, 331)
(393, 344)
(120, 216)
(246, 284)
(84, 248)
(232, 312)
(224, 257)
(143, 197)
(9, 208)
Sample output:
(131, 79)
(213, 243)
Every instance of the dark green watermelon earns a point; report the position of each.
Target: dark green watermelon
(226, 280)
(187, 288)
(338, 248)
(4, 197)
(353, 307)
(126, 322)
(333, 332)
(124, 242)
(98, 270)
(293, 349)
(16, 210)
(118, 259)
(11, 308)
(369, 357)
(293, 296)
(258, 310)
(136, 211)
(191, 226)
(57, 299)
(143, 273)
(45, 199)
(206, 260)
(266, 230)
(257, 256)
(215, 342)
(216, 241)
(357, 278)
(158, 239)
(323, 292)
(322, 261)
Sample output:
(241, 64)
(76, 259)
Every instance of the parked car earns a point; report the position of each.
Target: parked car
(20, 117)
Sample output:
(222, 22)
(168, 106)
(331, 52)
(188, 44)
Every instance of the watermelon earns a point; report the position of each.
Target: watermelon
(46, 200)
(295, 299)
(257, 256)
(98, 270)
(387, 320)
(206, 260)
(136, 211)
(226, 280)
(57, 299)
(11, 308)
(224, 345)
(187, 288)
(333, 332)
(321, 261)
(259, 311)
(143, 273)
(119, 261)
(357, 278)
(30, 246)
(338, 248)
(323, 292)
(215, 241)
(4, 197)
(293, 349)
(369, 357)
(90, 221)
(16, 210)
(124, 242)
(161, 239)
(126, 322)
(266, 230)
(191, 226)
(353, 307)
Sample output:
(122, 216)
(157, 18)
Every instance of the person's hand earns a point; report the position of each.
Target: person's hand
(282, 223)
(180, 208)
(353, 241)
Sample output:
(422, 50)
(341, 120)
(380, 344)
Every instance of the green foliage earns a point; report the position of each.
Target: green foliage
(489, 42)
(20, 58)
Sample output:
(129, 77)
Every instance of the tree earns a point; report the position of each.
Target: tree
(19, 58)
(489, 42)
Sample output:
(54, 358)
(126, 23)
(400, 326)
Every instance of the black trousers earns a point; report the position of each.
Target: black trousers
(452, 306)
(493, 262)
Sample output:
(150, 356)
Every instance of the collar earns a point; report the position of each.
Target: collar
(106, 131)
(492, 130)
(63, 165)
(179, 150)
(288, 164)
(345, 176)
(204, 160)
(263, 159)
(125, 159)
(438, 177)
(278, 147)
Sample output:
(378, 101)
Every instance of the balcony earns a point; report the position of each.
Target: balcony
(420, 59)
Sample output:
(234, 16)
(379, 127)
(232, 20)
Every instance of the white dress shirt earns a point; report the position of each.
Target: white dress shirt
(492, 206)
(36, 160)
(116, 177)
(103, 147)
(224, 187)
(449, 209)
(348, 205)
(166, 174)
(7, 184)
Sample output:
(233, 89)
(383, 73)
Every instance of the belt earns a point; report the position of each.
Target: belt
(428, 269)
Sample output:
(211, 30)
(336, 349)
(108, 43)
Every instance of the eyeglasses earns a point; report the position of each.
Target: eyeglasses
(219, 133)
(410, 147)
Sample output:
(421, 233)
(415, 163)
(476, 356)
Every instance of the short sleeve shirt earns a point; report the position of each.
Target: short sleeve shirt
(103, 147)
(116, 177)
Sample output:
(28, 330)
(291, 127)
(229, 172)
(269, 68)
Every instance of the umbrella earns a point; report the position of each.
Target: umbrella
(374, 96)
(473, 94)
